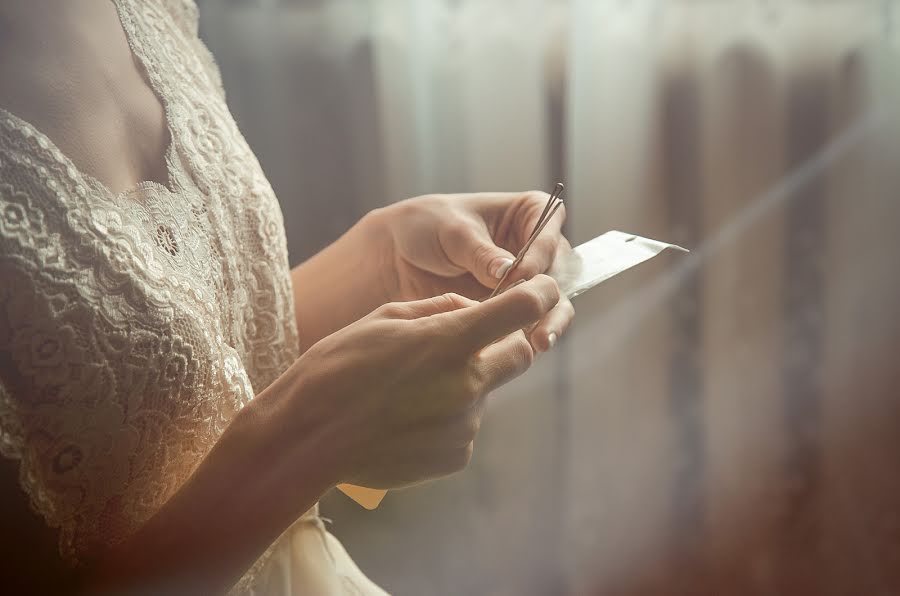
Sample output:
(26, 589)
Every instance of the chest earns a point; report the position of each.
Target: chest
(78, 80)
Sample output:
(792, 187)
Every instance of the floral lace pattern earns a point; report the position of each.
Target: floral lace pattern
(133, 327)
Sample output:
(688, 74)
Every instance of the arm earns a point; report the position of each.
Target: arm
(344, 282)
(261, 475)
(335, 416)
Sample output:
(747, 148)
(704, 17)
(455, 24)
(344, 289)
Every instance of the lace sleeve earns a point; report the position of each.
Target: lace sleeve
(45, 422)
(114, 385)
(61, 414)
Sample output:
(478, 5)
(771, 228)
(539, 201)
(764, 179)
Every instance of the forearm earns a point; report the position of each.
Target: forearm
(262, 474)
(344, 282)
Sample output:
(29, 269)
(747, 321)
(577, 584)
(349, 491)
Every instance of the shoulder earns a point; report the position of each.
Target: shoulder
(51, 229)
(39, 188)
(31, 183)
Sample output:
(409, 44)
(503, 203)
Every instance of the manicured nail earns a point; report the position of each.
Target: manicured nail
(551, 339)
(502, 268)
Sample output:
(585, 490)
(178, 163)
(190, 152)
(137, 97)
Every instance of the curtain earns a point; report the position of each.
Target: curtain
(725, 423)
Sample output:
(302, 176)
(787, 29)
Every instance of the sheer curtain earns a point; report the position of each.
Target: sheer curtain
(725, 423)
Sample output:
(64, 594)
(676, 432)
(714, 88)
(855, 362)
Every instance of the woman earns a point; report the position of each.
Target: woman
(175, 400)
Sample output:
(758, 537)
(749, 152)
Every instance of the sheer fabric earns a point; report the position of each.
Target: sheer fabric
(134, 326)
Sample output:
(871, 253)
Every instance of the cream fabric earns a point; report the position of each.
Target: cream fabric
(133, 327)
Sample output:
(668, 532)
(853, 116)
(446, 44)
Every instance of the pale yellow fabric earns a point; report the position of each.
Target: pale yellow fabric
(133, 327)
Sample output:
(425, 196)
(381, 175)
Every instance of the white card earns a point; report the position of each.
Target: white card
(604, 257)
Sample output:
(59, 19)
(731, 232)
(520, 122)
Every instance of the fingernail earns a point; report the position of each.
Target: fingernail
(551, 339)
(502, 268)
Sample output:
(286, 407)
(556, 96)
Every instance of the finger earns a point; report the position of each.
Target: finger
(471, 248)
(503, 361)
(552, 327)
(426, 308)
(514, 309)
(542, 253)
(539, 257)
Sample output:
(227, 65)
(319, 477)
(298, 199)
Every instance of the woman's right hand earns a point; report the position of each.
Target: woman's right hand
(399, 394)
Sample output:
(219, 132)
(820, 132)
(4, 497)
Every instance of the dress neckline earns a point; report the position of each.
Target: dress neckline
(169, 155)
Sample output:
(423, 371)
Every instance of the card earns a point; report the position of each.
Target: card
(369, 498)
(590, 264)
(604, 257)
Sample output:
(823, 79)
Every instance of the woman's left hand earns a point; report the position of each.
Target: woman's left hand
(465, 243)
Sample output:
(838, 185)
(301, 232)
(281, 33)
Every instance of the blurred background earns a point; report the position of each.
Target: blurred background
(725, 423)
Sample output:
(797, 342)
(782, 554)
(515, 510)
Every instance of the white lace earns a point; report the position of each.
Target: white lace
(133, 327)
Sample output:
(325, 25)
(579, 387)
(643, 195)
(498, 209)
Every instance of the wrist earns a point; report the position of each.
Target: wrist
(375, 227)
(296, 437)
(345, 281)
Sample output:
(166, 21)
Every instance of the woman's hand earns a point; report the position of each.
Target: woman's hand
(426, 247)
(465, 243)
(393, 399)
(400, 392)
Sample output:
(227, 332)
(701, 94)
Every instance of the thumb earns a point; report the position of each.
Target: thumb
(474, 250)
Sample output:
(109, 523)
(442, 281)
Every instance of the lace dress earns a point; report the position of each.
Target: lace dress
(134, 327)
